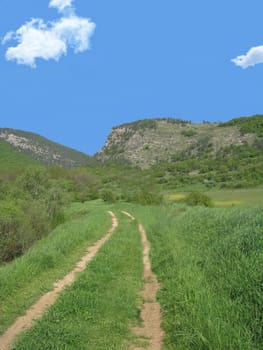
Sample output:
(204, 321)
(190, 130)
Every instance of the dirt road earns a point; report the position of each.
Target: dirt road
(150, 333)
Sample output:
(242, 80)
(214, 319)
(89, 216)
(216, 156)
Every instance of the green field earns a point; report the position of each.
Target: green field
(226, 198)
(207, 260)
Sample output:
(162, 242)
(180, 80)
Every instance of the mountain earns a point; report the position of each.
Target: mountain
(43, 150)
(147, 142)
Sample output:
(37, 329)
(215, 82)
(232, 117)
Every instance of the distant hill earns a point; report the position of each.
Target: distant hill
(43, 150)
(147, 142)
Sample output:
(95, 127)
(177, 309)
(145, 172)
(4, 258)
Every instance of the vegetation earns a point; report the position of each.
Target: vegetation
(23, 281)
(198, 199)
(252, 124)
(188, 132)
(152, 123)
(232, 167)
(148, 142)
(141, 124)
(208, 260)
(31, 200)
(13, 160)
(96, 312)
(30, 207)
(44, 150)
(209, 263)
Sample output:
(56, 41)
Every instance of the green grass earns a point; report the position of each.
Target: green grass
(24, 280)
(97, 311)
(209, 263)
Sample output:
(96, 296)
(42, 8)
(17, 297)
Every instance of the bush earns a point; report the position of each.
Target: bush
(39, 224)
(12, 228)
(198, 199)
(188, 132)
(108, 196)
(148, 198)
(34, 182)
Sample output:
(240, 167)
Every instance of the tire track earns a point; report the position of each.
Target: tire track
(37, 310)
(151, 310)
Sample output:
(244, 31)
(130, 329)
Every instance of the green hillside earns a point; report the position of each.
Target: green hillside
(246, 125)
(11, 159)
(44, 150)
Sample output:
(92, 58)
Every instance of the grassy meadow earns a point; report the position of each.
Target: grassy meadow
(208, 262)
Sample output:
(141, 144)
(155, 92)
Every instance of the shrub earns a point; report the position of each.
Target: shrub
(148, 198)
(12, 228)
(188, 132)
(39, 223)
(33, 182)
(198, 199)
(108, 196)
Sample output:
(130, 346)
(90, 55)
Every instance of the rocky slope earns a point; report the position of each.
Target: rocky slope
(43, 150)
(146, 142)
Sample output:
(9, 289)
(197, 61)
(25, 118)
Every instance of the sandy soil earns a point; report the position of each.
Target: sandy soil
(37, 310)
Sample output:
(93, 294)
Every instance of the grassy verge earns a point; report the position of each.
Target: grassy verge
(24, 280)
(209, 263)
(97, 310)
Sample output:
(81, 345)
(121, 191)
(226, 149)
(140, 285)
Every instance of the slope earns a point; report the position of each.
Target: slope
(11, 159)
(44, 150)
(147, 142)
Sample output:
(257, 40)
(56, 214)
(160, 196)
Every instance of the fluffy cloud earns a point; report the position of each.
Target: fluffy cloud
(251, 58)
(37, 39)
(60, 4)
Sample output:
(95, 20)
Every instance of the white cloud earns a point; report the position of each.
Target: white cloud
(251, 58)
(75, 31)
(60, 4)
(7, 37)
(37, 39)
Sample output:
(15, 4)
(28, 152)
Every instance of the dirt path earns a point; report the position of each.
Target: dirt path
(151, 312)
(37, 310)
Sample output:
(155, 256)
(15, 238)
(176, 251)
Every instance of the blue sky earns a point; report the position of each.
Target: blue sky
(118, 61)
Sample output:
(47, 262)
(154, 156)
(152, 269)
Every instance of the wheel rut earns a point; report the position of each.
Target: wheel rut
(37, 310)
(151, 331)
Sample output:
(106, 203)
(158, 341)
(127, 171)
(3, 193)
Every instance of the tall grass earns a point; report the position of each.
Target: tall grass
(96, 312)
(209, 263)
(25, 279)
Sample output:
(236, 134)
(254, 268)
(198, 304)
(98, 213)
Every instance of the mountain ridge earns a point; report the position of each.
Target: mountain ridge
(146, 142)
(44, 150)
